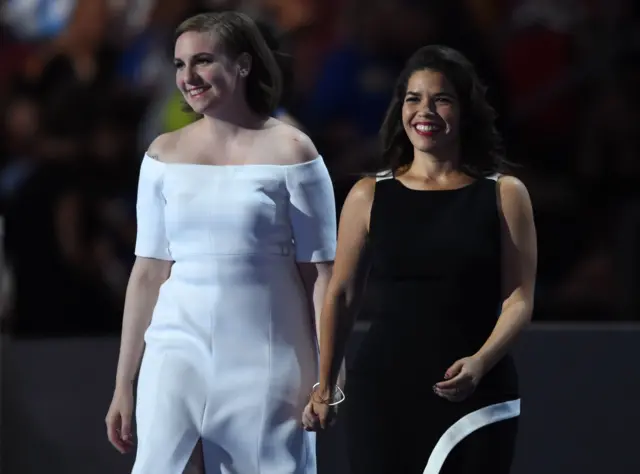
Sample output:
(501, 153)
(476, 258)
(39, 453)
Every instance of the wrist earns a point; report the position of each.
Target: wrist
(483, 360)
(327, 396)
(124, 385)
(322, 391)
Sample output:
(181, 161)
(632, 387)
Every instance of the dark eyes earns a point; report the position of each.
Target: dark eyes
(442, 100)
(199, 62)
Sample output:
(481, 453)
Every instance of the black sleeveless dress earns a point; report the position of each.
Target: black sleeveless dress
(433, 297)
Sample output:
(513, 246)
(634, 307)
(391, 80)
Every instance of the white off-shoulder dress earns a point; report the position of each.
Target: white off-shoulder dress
(231, 353)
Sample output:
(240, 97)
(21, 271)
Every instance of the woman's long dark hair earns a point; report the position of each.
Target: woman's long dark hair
(481, 150)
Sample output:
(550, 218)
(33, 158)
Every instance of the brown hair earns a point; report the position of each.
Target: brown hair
(239, 34)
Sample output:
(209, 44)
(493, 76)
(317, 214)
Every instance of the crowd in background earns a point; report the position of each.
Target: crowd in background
(85, 85)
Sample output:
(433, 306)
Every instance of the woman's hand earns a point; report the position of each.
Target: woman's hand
(119, 420)
(319, 413)
(461, 379)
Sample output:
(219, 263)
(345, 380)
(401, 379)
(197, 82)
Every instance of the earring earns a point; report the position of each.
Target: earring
(243, 72)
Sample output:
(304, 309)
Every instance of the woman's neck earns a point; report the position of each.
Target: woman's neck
(230, 120)
(434, 166)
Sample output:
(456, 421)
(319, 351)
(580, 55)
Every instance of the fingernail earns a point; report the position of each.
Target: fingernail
(435, 388)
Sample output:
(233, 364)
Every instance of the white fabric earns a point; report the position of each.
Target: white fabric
(382, 175)
(151, 238)
(230, 353)
(467, 425)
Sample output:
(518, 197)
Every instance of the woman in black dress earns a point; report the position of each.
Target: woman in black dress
(451, 262)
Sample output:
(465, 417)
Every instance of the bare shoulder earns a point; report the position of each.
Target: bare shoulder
(171, 147)
(361, 194)
(511, 189)
(513, 197)
(292, 145)
(356, 211)
(164, 146)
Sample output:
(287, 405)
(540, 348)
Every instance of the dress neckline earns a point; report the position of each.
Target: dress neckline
(230, 166)
(451, 190)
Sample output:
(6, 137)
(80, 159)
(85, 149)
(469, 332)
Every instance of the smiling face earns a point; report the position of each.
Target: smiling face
(431, 111)
(205, 74)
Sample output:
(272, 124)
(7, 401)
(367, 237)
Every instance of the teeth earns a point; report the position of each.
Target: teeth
(427, 128)
(197, 91)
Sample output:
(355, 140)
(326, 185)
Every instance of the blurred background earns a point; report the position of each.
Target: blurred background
(85, 86)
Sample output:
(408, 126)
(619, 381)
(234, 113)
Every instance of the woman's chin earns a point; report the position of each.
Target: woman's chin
(431, 144)
(198, 108)
(203, 105)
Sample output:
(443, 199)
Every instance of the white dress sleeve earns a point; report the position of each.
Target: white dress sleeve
(151, 237)
(312, 211)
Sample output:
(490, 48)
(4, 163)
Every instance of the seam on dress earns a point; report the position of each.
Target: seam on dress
(267, 395)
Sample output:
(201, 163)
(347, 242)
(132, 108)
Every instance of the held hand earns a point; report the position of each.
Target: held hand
(118, 420)
(461, 379)
(310, 419)
(317, 416)
(319, 413)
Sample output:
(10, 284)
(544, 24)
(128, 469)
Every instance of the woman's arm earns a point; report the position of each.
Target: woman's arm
(316, 278)
(147, 276)
(519, 263)
(344, 293)
(519, 256)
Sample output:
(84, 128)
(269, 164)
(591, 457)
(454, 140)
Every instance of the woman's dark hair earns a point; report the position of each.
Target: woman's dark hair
(481, 150)
(239, 34)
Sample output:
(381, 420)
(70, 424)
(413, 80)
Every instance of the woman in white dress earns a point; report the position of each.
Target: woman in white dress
(236, 235)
